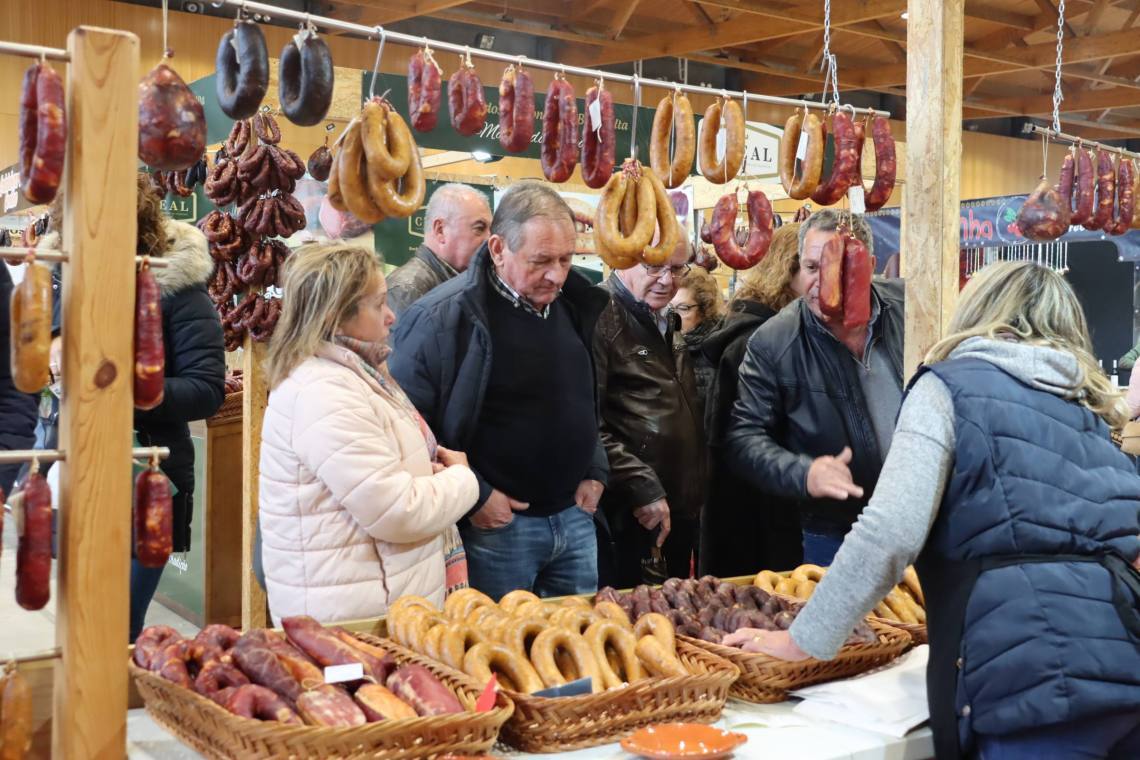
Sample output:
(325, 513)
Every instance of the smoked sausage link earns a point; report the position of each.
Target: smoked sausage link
(760, 230)
(31, 330)
(424, 81)
(831, 278)
(516, 110)
(154, 518)
(598, 143)
(559, 132)
(1085, 191)
(466, 101)
(1105, 192)
(33, 555)
(1044, 216)
(150, 355)
(172, 123)
(858, 267)
(43, 133)
(1125, 197)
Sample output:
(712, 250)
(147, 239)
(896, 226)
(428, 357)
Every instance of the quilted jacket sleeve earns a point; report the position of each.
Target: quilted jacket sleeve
(354, 453)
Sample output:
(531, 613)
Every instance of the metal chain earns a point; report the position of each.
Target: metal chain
(828, 60)
(1058, 96)
(826, 32)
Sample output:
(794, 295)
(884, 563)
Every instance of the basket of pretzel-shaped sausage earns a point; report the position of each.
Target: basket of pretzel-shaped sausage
(706, 610)
(638, 674)
(263, 694)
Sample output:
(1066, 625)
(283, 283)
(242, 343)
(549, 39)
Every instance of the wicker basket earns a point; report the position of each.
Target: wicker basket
(917, 631)
(218, 733)
(557, 724)
(765, 679)
(230, 410)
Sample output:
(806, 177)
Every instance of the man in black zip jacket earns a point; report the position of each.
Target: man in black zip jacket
(818, 401)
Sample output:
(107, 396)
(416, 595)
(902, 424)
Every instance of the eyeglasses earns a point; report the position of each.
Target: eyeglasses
(677, 271)
(684, 308)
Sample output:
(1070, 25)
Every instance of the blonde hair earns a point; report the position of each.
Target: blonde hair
(1034, 305)
(705, 290)
(322, 287)
(770, 281)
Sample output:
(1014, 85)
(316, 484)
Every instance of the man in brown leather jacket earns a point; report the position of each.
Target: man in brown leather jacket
(651, 427)
(457, 222)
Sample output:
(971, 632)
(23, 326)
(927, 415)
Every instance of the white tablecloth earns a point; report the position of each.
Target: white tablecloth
(797, 737)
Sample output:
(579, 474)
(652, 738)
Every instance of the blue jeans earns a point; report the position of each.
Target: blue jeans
(551, 556)
(820, 548)
(144, 582)
(1106, 736)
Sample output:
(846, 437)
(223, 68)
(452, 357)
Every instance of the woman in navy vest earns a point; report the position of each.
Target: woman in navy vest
(1025, 521)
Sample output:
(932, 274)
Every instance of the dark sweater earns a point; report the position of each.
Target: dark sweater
(539, 365)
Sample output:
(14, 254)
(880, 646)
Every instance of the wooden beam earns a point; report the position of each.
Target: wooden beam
(894, 49)
(1089, 100)
(255, 397)
(1094, 17)
(90, 690)
(622, 17)
(532, 28)
(590, 10)
(984, 12)
(843, 14)
(931, 196)
(1049, 7)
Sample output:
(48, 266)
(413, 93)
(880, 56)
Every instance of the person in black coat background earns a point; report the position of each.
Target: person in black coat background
(18, 410)
(194, 386)
(745, 529)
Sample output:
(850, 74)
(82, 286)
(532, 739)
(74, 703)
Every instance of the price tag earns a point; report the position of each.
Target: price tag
(341, 673)
(801, 147)
(855, 198)
(721, 143)
(596, 114)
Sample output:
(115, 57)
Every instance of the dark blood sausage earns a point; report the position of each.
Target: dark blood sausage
(320, 163)
(154, 518)
(1043, 216)
(150, 354)
(424, 81)
(33, 554)
(858, 267)
(886, 165)
(172, 124)
(516, 110)
(1125, 199)
(242, 64)
(1085, 191)
(559, 132)
(43, 133)
(598, 145)
(466, 101)
(307, 77)
(759, 230)
(1105, 192)
(845, 167)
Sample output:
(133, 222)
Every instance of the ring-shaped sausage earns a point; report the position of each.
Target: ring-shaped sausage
(511, 601)
(459, 604)
(615, 650)
(659, 627)
(553, 641)
(513, 672)
(242, 63)
(306, 79)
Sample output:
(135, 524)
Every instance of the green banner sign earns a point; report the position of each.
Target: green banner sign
(397, 239)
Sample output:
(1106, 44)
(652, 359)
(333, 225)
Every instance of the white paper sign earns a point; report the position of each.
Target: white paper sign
(596, 114)
(721, 143)
(801, 147)
(342, 673)
(855, 198)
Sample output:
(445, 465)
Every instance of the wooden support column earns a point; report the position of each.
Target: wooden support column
(255, 397)
(931, 197)
(90, 714)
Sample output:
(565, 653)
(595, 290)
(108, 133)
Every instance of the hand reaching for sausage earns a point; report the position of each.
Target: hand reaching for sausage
(830, 477)
(652, 515)
(778, 644)
(588, 495)
(498, 511)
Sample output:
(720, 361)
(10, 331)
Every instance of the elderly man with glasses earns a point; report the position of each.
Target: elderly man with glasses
(652, 429)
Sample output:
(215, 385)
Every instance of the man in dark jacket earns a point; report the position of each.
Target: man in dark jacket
(651, 426)
(18, 411)
(457, 222)
(497, 362)
(818, 401)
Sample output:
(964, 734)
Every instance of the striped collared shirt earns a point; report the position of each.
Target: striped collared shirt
(506, 291)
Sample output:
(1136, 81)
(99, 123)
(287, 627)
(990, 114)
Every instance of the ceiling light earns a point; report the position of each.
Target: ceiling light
(903, 16)
(484, 41)
(481, 156)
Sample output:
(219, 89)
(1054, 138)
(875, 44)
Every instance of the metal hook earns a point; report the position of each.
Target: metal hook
(376, 66)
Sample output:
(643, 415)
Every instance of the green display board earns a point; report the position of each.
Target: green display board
(397, 239)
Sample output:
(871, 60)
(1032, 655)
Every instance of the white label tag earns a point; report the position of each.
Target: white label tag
(855, 198)
(801, 148)
(342, 673)
(596, 114)
(721, 144)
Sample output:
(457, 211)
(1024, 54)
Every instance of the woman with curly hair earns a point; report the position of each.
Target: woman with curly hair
(699, 304)
(741, 532)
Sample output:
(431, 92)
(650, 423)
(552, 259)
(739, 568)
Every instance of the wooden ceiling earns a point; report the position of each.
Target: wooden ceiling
(1010, 46)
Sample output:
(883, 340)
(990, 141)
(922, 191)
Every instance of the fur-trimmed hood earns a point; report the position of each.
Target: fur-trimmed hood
(187, 256)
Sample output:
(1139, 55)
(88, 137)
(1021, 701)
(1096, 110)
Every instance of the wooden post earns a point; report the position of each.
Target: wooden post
(255, 396)
(95, 419)
(931, 197)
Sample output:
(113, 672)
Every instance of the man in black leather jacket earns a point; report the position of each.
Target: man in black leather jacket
(651, 427)
(818, 401)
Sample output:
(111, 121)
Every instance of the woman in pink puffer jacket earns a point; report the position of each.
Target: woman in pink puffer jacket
(357, 501)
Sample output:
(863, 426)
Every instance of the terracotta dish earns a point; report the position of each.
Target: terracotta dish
(677, 741)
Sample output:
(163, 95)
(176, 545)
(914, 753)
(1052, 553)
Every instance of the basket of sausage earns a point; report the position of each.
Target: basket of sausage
(629, 675)
(904, 607)
(704, 611)
(266, 695)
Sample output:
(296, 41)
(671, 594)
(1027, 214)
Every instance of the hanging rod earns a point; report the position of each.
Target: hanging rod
(376, 32)
(1062, 137)
(17, 254)
(18, 456)
(34, 51)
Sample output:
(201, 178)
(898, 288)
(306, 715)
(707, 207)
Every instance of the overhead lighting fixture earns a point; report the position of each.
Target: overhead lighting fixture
(484, 41)
(903, 16)
(481, 156)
